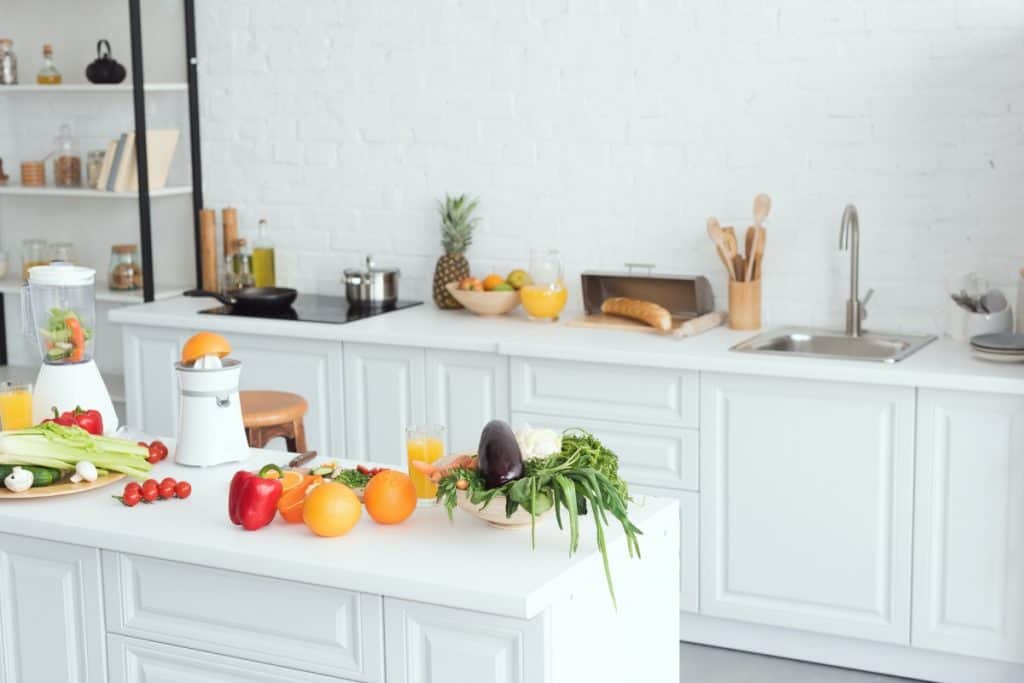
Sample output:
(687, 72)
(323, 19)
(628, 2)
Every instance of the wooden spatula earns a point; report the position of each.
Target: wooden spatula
(717, 235)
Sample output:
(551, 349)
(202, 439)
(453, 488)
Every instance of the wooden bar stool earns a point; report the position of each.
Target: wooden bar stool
(269, 414)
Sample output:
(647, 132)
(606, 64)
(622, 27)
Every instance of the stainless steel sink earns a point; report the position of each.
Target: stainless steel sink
(815, 343)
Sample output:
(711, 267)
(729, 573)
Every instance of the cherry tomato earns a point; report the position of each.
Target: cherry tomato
(131, 498)
(168, 481)
(132, 486)
(166, 492)
(183, 489)
(150, 485)
(152, 459)
(158, 449)
(149, 495)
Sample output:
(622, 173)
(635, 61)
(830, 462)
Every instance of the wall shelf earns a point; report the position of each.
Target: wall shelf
(91, 87)
(89, 193)
(13, 286)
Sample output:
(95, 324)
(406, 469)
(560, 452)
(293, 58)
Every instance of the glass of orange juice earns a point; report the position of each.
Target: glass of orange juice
(426, 444)
(546, 296)
(15, 406)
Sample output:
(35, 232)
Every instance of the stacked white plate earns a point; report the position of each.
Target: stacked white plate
(1001, 347)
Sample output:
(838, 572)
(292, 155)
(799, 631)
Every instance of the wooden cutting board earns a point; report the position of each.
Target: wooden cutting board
(64, 489)
(614, 322)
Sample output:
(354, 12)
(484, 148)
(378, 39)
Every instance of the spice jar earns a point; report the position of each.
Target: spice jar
(125, 267)
(67, 164)
(62, 251)
(33, 173)
(93, 166)
(8, 63)
(33, 253)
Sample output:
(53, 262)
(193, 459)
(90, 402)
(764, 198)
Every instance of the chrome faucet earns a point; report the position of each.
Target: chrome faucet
(849, 238)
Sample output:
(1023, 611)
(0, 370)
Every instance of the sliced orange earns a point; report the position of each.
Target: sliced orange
(204, 344)
(294, 497)
(290, 479)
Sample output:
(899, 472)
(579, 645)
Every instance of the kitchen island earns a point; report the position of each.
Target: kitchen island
(861, 514)
(92, 591)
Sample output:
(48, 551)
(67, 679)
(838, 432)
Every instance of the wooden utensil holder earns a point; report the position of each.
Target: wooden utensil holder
(745, 305)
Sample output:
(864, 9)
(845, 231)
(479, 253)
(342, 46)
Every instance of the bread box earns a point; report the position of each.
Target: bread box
(684, 296)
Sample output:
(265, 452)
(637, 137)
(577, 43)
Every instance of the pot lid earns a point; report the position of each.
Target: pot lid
(371, 268)
(61, 274)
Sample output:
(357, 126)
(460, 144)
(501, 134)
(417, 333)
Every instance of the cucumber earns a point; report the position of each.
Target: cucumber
(41, 476)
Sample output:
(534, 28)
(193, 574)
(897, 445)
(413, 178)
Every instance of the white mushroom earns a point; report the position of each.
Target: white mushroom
(19, 480)
(84, 471)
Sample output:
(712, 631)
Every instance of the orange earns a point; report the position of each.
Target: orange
(331, 509)
(293, 497)
(204, 344)
(492, 281)
(390, 497)
(290, 479)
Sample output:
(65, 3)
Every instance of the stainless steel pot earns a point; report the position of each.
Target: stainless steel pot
(371, 285)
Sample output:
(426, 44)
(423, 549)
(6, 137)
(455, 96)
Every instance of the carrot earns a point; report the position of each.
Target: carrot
(425, 467)
(77, 338)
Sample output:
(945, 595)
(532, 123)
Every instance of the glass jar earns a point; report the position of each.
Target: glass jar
(62, 251)
(93, 166)
(48, 75)
(125, 268)
(33, 253)
(8, 63)
(67, 163)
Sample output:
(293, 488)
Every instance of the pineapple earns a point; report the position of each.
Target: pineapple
(457, 224)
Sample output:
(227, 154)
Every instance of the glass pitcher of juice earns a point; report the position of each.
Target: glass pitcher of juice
(547, 295)
(15, 406)
(424, 443)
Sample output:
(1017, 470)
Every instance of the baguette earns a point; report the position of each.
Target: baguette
(646, 312)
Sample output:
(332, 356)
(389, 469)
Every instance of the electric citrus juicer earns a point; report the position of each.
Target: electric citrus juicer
(58, 308)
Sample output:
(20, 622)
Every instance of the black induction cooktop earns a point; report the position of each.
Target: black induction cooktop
(316, 308)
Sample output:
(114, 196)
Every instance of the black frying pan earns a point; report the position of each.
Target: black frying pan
(253, 299)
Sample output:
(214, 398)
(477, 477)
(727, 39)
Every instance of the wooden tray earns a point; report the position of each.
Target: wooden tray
(64, 489)
(615, 322)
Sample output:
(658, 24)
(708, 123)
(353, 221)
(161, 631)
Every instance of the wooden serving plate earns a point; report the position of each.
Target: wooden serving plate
(64, 489)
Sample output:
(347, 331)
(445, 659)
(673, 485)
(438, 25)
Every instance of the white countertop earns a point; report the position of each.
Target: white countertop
(942, 364)
(464, 564)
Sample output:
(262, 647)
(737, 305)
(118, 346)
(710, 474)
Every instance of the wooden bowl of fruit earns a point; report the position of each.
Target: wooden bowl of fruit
(492, 296)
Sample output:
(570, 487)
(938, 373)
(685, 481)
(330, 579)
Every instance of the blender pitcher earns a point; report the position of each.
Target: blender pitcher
(58, 307)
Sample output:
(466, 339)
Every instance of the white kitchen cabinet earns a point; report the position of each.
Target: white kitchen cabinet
(969, 525)
(142, 661)
(51, 616)
(806, 504)
(465, 391)
(689, 542)
(431, 644)
(384, 393)
(151, 390)
(311, 369)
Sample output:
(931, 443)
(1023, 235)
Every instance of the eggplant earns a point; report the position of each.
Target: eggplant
(498, 456)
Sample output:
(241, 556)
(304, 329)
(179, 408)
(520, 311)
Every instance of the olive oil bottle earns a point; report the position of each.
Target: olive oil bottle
(263, 258)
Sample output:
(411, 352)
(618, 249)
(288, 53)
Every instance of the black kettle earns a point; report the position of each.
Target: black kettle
(104, 69)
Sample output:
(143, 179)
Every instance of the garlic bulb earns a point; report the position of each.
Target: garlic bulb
(19, 480)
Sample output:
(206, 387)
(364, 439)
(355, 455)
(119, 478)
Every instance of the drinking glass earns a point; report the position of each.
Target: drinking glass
(15, 406)
(424, 443)
(546, 296)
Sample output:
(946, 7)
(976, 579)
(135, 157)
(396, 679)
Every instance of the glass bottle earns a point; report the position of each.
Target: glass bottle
(241, 265)
(62, 251)
(8, 63)
(48, 75)
(67, 163)
(263, 258)
(33, 253)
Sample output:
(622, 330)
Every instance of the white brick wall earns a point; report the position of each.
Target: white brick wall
(612, 128)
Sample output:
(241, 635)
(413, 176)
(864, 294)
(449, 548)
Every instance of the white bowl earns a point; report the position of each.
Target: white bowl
(494, 513)
(484, 303)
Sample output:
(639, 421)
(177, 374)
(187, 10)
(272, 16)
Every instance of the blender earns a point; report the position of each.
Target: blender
(58, 307)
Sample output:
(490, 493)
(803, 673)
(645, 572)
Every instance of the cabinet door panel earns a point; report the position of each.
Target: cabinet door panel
(806, 496)
(51, 618)
(151, 389)
(311, 369)
(430, 644)
(142, 661)
(650, 456)
(689, 542)
(464, 392)
(384, 394)
(969, 529)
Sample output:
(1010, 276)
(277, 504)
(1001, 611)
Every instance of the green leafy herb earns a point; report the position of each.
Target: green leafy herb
(353, 479)
(583, 476)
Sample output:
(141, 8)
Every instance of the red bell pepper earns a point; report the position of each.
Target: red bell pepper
(65, 419)
(89, 420)
(252, 500)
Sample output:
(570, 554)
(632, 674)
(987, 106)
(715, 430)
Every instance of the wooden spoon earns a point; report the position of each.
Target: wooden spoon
(732, 250)
(717, 236)
(759, 252)
(762, 207)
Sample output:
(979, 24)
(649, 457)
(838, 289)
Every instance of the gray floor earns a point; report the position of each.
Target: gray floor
(703, 664)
